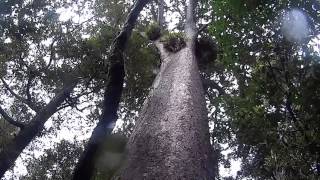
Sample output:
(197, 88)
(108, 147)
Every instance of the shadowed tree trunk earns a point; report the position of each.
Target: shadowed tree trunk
(113, 90)
(171, 137)
(11, 152)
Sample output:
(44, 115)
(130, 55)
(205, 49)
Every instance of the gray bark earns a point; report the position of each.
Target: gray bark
(171, 137)
(161, 13)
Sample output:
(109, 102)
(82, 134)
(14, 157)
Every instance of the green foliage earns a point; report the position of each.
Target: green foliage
(93, 51)
(173, 41)
(110, 157)
(142, 64)
(266, 79)
(112, 12)
(153, 31)
(56, 163)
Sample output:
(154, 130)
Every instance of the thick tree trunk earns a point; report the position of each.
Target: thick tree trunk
(10, 153)
(113, 90)
(171, 137)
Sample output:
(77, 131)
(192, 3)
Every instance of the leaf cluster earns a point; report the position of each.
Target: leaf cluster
(153, 31)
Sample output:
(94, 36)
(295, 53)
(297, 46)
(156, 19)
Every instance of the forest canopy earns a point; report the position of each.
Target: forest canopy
(164, 89)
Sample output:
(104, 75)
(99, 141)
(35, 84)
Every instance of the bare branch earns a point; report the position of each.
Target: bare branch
(28, 88)
(10, 119)
(203, 27)
(71, 101)
(153, 13)
(51, 54)
(9, 153)
(178, 10)
(26, 101)
(64, 105)
(207, 83)
(11, 91)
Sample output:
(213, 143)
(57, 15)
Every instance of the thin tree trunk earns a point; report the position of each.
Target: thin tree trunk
(161, 13)
(11, 152)
(113, 90)
(171, 137)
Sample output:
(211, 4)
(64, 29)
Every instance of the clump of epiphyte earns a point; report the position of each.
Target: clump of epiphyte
(206, 49)
(174, 42)
(153, 31)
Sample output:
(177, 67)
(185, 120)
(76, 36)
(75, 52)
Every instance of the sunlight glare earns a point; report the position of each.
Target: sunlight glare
(295, 26)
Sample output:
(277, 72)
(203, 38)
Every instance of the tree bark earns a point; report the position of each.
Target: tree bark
(171, 137)
(11, 152)
(161, 13)
(113, 90)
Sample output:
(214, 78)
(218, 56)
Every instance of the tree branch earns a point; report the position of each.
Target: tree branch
(207, 83)
(153, 13)
(14, 148)
(51, 54)
(202, 28)
(11, 91)
(113, 90)
(26, 101)
(10, 119)
(29, 98)
(71, 101)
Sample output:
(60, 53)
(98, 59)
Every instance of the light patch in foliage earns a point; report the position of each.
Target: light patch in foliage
(295, 26)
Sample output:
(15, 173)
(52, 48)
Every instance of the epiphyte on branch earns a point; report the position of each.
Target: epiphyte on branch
(174, 42)
(206, 49)
(153, 31)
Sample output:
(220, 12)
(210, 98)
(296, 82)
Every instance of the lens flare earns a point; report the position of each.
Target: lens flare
(295, 27)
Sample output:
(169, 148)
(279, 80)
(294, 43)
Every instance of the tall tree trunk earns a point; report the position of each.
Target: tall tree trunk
(171, 137)
(11, 152)
(113, 90)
